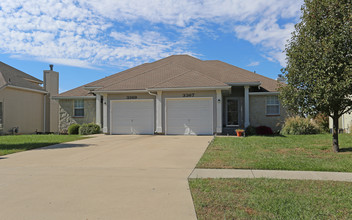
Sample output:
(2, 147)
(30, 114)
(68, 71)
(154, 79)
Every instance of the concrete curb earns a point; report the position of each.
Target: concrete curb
(275, 174)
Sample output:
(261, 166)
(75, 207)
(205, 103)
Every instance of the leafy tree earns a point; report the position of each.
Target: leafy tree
(319, 62)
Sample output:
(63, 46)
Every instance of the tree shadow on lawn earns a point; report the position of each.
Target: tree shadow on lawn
(40, 146)
(347, 149)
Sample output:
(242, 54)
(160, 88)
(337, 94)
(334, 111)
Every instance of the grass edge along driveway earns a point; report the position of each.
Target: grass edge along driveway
(292, 152)
(271, 199)
(16, 143)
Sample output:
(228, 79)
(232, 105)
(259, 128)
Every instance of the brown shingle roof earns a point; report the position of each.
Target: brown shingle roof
(12, 76)
(177, 71)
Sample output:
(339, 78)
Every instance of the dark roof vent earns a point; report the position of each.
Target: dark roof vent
(51, 67)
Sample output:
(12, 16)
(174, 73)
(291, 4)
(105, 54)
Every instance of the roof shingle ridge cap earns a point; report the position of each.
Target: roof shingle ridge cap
(178, 75)
(122, 72)
(242, 69)
(115, 74)
(144, 72)
(134, 68)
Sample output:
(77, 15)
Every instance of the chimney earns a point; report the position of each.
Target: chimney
(51, 85)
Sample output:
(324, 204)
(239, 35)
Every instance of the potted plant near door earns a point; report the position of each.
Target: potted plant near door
(239, 132)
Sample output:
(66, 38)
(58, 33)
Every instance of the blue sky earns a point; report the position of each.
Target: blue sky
(90, 39)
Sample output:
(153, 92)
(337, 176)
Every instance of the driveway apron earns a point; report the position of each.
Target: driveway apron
(106, 177)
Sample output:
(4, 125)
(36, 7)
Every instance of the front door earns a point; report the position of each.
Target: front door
(232, 112)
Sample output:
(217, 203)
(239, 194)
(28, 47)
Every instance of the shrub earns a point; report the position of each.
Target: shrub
(90, 128)
(322, 122)
(299, 125)
(73, 129)
(264, 130)
(250, 130)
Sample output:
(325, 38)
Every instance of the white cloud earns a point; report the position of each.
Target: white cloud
(255, 63)
(87, 33)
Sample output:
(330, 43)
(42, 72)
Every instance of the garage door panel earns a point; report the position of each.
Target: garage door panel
(132, 117)
(189, 116)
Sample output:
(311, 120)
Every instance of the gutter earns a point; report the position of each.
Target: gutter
(27, 89)
(264, 93)
(73, 97)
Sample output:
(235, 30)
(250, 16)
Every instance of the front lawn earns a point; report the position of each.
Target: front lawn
(292, 152)
(16, 143)
(271, 199)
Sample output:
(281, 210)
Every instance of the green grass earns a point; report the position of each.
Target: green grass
(271, 199)
(292, 152)
(16, 143)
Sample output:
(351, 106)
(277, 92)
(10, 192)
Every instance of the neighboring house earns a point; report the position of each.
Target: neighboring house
(25, 105)
(175, 95)
(345, 123)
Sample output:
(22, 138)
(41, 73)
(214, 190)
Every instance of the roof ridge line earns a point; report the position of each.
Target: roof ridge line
(133, 68)
(170, 78)
(136, 75)
(204, 75)
(243, 69)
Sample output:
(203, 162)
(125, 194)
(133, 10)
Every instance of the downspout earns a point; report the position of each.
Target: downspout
(150, 93)
(44, 127)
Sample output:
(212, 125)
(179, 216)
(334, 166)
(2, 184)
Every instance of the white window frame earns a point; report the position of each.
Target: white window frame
(79, 107)
(268, 103)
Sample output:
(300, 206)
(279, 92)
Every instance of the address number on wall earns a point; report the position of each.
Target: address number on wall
(188, 95)
(131, 97)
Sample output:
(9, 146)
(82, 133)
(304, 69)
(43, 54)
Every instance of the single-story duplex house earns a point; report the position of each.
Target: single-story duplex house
(179, 94)
(25, 104)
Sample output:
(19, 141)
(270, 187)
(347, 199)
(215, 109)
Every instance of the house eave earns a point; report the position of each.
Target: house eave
(245, 84)
(264, 93)
(120, 91)
(190, 88)
(26, 89)
(73, 97)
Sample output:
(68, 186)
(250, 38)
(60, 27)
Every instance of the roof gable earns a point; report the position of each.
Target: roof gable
(177, 71)
(12, 76)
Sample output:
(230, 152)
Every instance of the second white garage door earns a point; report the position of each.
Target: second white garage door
(189, 116)
(132, 116)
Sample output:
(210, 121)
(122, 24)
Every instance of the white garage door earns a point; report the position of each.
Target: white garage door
(189, 116)
(132, 116)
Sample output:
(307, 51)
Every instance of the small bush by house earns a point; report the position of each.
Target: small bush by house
(298, 126)
(250, 130)
(73, 129)
(264, 130)
(90, 128)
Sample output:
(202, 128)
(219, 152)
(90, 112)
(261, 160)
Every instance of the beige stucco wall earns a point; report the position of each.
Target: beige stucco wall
(23, 109)
(258, 117)
(66, 118)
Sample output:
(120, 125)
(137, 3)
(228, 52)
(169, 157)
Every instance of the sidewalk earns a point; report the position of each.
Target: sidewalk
(275, 174)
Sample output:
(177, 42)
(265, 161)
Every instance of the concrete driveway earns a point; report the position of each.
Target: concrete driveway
(106, 177)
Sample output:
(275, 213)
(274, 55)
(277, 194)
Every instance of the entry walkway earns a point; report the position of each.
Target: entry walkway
(275, 174)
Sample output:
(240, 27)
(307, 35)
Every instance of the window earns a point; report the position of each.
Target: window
(78, 108)
(232, 112)
(1, 121)
(272, 105)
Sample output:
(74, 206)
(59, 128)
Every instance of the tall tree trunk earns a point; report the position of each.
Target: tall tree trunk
(335, 133)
